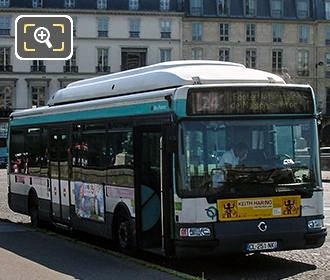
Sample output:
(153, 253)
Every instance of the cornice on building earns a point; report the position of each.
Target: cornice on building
(90, 12)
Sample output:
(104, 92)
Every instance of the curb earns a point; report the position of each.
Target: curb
(146, 264)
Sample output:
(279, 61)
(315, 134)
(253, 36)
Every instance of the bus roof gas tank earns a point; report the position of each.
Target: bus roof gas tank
(161, 76)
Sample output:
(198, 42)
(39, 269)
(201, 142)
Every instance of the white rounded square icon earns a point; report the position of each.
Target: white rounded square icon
(43, 37)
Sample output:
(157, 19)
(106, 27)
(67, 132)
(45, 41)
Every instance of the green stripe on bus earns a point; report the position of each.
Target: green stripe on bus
(132, 110)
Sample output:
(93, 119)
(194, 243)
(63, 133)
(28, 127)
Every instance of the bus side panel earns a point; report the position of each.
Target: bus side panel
(20, 186)
(18, 195)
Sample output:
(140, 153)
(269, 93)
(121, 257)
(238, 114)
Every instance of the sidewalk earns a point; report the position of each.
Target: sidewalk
(29, 254)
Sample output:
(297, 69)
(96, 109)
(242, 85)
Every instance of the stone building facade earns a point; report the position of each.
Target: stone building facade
(287, 37)
(109, 36)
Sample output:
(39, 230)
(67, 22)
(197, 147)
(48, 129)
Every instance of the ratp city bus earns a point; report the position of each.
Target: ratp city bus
(135, 157)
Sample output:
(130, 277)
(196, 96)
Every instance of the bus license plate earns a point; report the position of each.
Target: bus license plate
(260, 246)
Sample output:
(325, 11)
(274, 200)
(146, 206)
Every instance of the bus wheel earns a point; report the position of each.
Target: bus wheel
(33, 211)
(123, 233)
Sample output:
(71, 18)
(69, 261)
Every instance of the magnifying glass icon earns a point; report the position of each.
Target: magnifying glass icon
(42, 35)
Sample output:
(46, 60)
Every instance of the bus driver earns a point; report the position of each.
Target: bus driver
(234, 156)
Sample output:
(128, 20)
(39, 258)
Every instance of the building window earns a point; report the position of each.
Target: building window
(327, 9)
(134, 28)
(165, 28)
(327, 59)
(6, 96)
(4, 3)
(74, 26)
(102, 60)
(197, 53)
(71, 64)
(37, 3)
(133, 58)
(327, 35)
(197, 31)
(277, 60)
(251, 58)
(276, 8)
(103, 23)
(5, 60)
(250, 8)
(5, 25)
(303, 8)
(277, 32)
(164, 5)
(165, 55)
(196, 7)
(303, 33)
(38, 66)
(68, 4)
(133, 5)
(224, 31)
(223, 7)
(102, 4)
(250, 32)
(303, 63)
(224, 55)
(38, 96)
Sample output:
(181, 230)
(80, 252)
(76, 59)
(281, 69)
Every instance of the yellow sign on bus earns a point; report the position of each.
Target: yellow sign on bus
(261, 207)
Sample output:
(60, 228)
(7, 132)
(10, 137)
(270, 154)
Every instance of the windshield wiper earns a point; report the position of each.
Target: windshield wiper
(302, 188)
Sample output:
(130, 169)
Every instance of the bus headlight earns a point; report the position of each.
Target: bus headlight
(315, 224)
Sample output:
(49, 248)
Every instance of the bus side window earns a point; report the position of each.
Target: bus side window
(93, 153)
(17, 151)
(44, 156)
(120, 165)
(32, 153)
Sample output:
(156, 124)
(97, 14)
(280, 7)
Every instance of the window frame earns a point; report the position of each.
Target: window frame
(223, 37)
(225, 8)
(278, 65)
(4, 3)
(103, 27)
(302, 32)
(247, 8)
(195, 55)
(306, 12)
(197, 31)
(69, 4)
(250, 32)
(133, 5)
(102, 4)
(275, 15)
(303, 70)
(225, 55)
(278, 29)
(37, 4)
(251, 60)
(164, 5)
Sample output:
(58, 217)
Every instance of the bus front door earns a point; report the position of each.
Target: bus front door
(151, 221)
(59, 171)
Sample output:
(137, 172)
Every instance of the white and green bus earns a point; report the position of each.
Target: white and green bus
(137, 157)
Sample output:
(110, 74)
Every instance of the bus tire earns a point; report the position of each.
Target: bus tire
(123, 232)
(34, 210)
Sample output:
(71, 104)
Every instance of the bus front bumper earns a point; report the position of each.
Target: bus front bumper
(235, 237)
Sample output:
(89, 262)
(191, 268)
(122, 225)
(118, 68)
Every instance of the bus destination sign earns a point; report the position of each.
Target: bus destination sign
(249, 100)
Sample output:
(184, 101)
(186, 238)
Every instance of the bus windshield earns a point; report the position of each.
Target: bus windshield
(234, 158)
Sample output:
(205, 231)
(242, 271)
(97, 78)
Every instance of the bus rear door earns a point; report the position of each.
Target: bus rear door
(59, 173)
